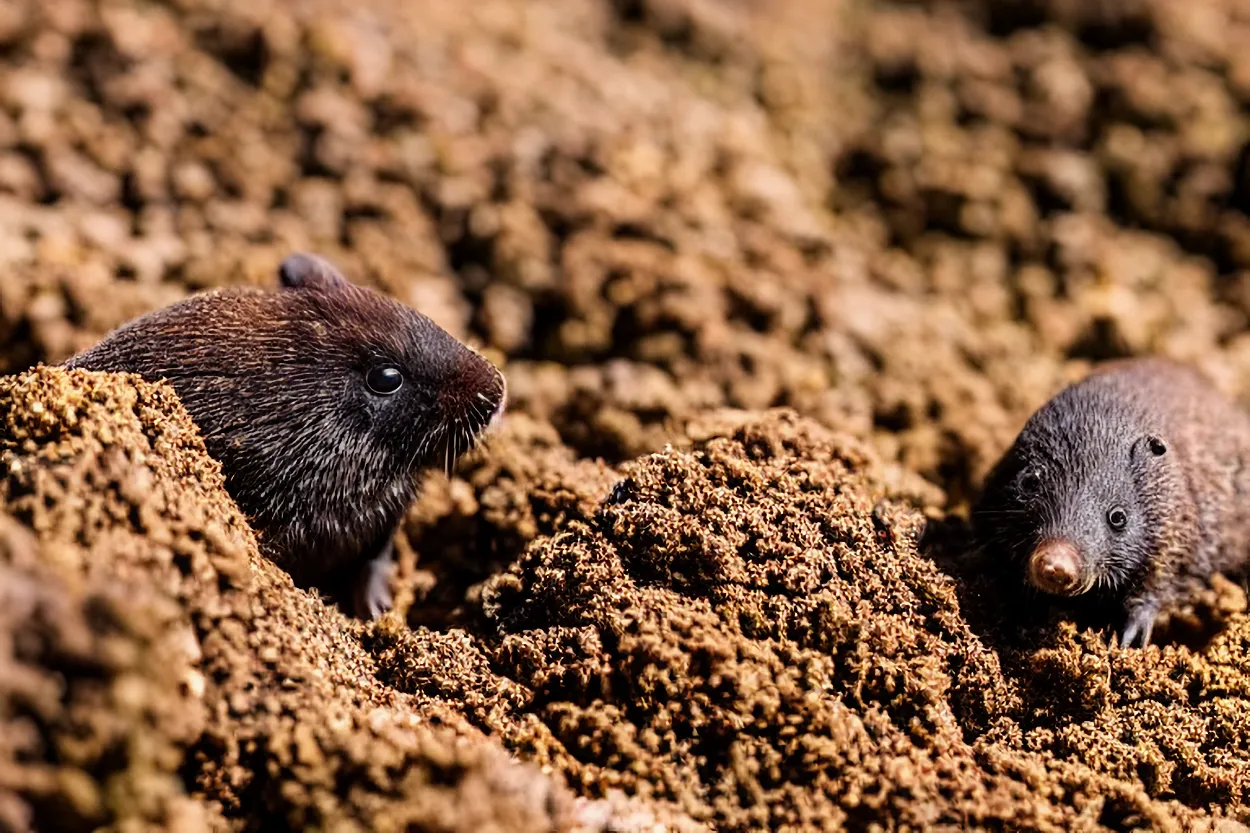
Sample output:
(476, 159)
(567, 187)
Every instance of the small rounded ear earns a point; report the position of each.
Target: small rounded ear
(307, 271)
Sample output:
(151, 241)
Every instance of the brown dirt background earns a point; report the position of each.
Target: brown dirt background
(773, 284)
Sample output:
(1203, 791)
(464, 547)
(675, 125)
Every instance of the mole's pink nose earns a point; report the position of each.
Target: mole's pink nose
(1055, 567)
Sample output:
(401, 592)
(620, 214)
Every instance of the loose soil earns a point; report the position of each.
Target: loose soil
(773, 284)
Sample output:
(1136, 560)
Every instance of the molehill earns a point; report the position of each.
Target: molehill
(773, 285)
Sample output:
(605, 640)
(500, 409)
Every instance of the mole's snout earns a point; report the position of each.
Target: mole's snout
(1055, 567)
(475, 391)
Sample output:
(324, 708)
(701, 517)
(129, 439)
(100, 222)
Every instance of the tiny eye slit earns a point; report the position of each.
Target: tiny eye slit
(1157, 447)
(384, 379)
(1117, 518)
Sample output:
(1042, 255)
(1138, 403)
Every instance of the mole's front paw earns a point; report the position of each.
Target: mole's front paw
(1140, 624)
(371, 596)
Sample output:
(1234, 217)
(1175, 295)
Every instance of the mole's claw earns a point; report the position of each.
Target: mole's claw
(371, 596)
(1138, 628)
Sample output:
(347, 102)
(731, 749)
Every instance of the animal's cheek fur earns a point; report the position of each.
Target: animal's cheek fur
(399, 415)
(387, 441)
(398, 423)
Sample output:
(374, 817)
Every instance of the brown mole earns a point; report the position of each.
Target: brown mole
(1132, 484)
(323, 401)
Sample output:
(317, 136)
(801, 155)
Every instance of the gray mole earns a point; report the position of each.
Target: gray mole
(1131, 485)
(324, 402)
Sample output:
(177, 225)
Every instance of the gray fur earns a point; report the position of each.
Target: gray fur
(1150, 437)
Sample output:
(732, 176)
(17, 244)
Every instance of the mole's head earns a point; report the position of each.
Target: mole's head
(1080, 501)
(392, 387)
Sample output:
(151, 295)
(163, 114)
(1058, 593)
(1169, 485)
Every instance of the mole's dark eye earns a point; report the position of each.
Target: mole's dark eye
(1156, 446)
(1030, 481)
(1117, 518)
(384, 379)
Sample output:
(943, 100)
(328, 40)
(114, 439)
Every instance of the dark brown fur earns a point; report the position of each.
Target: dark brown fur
(1150, 437)
(278, 383)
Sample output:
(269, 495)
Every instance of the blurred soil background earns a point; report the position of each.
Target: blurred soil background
(773, 284)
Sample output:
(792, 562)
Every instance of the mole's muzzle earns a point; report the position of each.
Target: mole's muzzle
(475, 394)
(1056, 567)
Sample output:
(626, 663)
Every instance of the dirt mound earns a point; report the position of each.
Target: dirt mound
(908, 223)
(190, 663)
(740, 631)
(747, 629)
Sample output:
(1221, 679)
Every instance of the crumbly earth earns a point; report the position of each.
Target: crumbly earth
(773, 283)
(161, 672)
